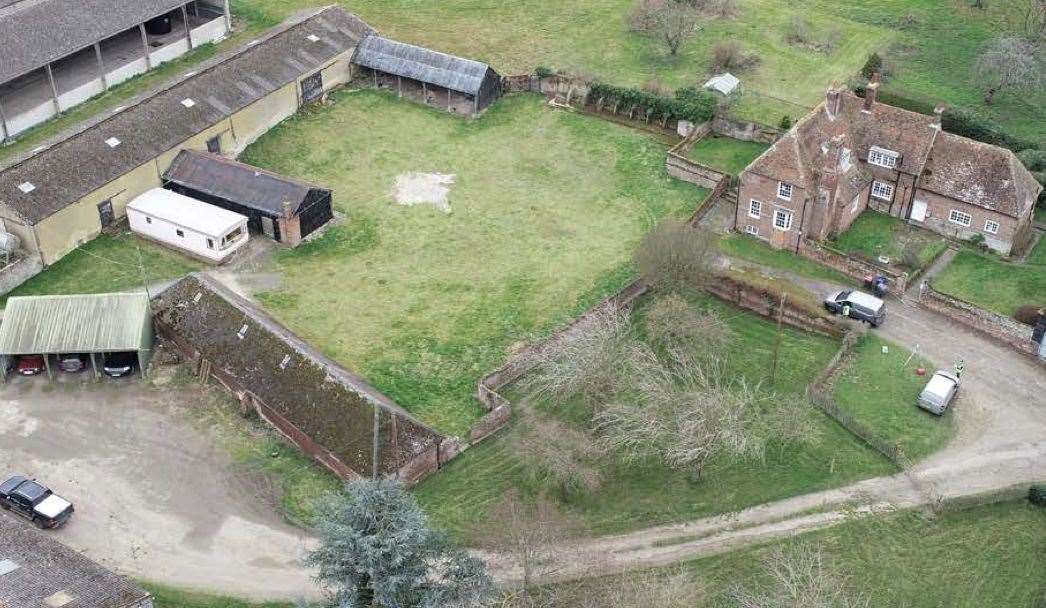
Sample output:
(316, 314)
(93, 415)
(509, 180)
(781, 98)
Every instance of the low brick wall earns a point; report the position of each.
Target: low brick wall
(993, 325)
(850, 265)
(766, 304)
(708, 202)
(745, 131)
(491, 423)
(19, 271)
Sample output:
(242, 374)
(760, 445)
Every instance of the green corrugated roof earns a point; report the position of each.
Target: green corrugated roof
(73, 324)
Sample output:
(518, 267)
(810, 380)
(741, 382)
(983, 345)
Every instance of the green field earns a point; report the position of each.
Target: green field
(545, 209)
(874, 234)
(881, 391)
(647, 494)
(989, 282)
(108, 263)
(726, 154)
(992, 556)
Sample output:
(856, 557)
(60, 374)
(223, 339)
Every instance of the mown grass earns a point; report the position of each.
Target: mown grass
(753, 250)
(171, 597)
(726, 153)
(875, 234)
(991, 556)
(881, 391)
(545, 211)
(649, 493)
(1037, 256)
(990, 283)
(107, 264)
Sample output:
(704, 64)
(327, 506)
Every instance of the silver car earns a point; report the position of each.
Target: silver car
(939, 393)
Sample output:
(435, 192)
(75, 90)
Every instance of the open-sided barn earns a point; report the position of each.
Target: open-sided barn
(284, 209)
(459, 85)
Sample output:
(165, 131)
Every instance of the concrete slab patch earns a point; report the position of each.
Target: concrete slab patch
(424, 189)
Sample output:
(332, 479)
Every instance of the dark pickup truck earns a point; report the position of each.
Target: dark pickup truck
(34, 502)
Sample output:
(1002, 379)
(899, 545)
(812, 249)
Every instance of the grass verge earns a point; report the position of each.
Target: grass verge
(726, 153)
(881, 390)
(171, 597)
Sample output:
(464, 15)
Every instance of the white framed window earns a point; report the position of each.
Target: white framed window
(991, 227)
(784, 190)
(752, 230)
(883, 157)
(882, 190)
(958, 217)
(755, 209)
(782, 219)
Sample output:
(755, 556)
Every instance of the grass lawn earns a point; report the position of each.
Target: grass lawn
(170, 597)
(647, 494)
(881, 391)
(992, 556)
(874, 234)
(546, 207)
(108, 263)
(1040, 214)
(726, 153)
(988, 282)
(753, 250)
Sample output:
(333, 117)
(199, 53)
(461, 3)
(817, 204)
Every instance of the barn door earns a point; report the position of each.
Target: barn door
(267, 227)
(312, 87)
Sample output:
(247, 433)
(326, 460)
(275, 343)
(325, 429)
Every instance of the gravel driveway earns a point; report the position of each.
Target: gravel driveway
(154, 498)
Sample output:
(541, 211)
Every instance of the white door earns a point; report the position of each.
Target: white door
(919, 210)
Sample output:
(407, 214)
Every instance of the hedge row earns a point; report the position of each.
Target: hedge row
(957, 120)
(688, 104)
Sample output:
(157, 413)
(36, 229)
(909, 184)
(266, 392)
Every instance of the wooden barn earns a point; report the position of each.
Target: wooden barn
(455, 84)
(283, 209)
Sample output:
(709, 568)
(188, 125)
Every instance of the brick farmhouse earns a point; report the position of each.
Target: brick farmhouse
(851, 153)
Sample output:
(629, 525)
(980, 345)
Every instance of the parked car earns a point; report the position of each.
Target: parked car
(119, 364)
(857, 305)
(939, 392)
(31, 365)
(72, 363)
(34, 502)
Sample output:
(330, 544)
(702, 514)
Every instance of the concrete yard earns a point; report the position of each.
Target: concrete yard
(155, 499)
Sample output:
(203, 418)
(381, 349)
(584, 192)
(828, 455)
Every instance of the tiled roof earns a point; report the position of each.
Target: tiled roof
(421, 64)
(83, 162)
(980, 174)
(35, 33)
(236, 182)
(36, 570)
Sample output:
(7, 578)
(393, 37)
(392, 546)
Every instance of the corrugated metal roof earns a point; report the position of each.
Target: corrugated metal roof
(421, 64)
(236, 182)
(83, 323)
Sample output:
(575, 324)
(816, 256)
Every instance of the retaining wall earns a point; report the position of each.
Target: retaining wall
(850, 265)
(744, 130)
(997, 327)
(681, 167)
(19, 271)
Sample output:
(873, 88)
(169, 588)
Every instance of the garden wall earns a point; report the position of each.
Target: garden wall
(997, 327)
(851, 266)
(19, 271)
(745, 131)
(767, 304)
(681, 167)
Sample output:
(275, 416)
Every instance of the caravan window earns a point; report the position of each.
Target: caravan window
(232, 237)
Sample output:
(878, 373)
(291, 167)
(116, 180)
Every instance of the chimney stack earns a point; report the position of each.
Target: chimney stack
(871, 92)
(287, 209)
(832, 98)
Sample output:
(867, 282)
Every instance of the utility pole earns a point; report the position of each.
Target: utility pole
(777, 338)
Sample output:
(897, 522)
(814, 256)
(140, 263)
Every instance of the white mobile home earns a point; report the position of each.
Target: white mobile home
(203, 230)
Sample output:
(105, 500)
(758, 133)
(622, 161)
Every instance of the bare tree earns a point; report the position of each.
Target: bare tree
(585, 362)
(674, 323)
(533, 533)
(1027, 19)
(800, 578)
(690, 412)
(673, 22)
(729, 55)
(675, 255)
(559, 456)
(1009, 63)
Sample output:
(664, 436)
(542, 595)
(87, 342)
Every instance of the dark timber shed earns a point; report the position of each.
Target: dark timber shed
(459, 85)
(283, 209)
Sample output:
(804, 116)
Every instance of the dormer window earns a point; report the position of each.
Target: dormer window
(784, 190)
(883, 157)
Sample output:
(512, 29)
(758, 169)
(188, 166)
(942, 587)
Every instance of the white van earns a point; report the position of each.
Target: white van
(939, 392)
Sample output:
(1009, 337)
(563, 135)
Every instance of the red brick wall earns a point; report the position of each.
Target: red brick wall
(290, 231)
(995, 326)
